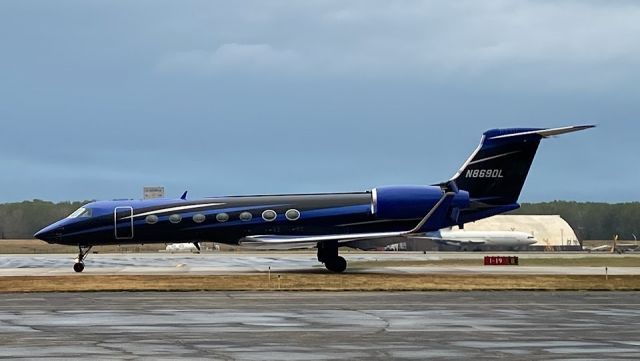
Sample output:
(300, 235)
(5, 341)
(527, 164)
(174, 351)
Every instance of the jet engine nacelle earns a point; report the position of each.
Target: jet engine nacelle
(409, 202)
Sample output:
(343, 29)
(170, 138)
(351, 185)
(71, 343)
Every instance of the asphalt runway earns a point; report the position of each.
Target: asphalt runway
(229, 262)
(322, 326)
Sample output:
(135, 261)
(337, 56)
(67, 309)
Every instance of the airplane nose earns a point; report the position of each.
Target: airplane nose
(50, 234)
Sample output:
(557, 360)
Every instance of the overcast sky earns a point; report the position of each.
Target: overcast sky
(100, 98)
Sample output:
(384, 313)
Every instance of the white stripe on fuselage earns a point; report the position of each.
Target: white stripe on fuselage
(174, 209)
(494, 157)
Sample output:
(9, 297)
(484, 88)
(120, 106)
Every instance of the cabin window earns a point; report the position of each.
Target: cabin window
(222, 217)
(175, 218)
(199, 218)
(151, 219)
(269, 215)
(292, 214)
(245, 216)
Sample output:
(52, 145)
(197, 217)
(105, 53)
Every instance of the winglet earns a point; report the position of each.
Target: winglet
(184, 195)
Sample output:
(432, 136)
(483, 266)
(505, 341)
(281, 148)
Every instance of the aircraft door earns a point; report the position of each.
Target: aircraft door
(123, 222)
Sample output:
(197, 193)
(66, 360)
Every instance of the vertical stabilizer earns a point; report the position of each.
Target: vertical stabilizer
(495, 173)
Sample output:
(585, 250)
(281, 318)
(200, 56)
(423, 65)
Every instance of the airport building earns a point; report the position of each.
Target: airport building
(152, 192)
(550, 231)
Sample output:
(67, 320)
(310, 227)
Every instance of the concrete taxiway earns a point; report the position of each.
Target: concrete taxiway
(224, 263)
(314, 326)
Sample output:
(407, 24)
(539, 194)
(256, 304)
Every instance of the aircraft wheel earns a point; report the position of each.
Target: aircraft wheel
(338, 265)
(78, 267)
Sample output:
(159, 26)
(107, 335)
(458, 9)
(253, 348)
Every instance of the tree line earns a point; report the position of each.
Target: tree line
(589, 220)
(592, 221)
(22, 220)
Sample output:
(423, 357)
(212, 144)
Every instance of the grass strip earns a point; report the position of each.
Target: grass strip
(599, 261)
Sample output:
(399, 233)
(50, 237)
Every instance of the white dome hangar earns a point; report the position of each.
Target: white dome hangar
(549, 230)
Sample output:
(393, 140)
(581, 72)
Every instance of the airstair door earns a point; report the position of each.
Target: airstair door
(123, 222)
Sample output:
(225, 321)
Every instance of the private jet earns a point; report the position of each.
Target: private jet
(488, 183)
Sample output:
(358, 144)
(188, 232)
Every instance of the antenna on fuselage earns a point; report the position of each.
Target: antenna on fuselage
(184, 195)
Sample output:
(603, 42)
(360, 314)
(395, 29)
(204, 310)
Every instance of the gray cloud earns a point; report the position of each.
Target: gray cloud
(573, 44)
(101, 98)
(232, 57)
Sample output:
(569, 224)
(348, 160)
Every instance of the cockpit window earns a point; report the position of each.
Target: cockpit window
(81, 212)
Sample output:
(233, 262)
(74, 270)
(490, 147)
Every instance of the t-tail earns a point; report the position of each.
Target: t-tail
(495, 173)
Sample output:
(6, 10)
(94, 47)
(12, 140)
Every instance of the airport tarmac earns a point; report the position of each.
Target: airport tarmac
(224, 263)
(319, 325)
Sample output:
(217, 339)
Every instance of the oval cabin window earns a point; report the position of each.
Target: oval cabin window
(269, 215)
(292, 214)
(222, 217)
(245, 216)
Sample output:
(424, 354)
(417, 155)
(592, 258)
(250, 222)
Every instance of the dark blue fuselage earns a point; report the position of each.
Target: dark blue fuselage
(488, 183)
(229, 219)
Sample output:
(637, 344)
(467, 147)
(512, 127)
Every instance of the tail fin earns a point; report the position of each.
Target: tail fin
(495, 173)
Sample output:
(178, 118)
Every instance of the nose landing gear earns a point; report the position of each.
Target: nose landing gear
(83, 251)
(78, 266)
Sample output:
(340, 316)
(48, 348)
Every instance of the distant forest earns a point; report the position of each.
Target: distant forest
(22, 220)
(598, 221)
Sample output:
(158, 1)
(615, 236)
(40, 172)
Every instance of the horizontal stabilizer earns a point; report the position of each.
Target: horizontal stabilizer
(452, 242)
(546, 133)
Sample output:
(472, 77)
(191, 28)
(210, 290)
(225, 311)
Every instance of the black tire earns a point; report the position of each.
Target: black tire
(78, 267)
(337, 265)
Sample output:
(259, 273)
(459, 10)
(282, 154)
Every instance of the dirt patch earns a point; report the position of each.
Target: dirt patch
(310, 282)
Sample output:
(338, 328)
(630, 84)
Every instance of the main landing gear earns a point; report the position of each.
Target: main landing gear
(83, 251)
(328, 254)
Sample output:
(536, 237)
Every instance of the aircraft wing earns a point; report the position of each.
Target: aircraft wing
(270, 241)
(619, 247)
(600, 248)
(301, 242)
(453, 242)
(627, 245)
